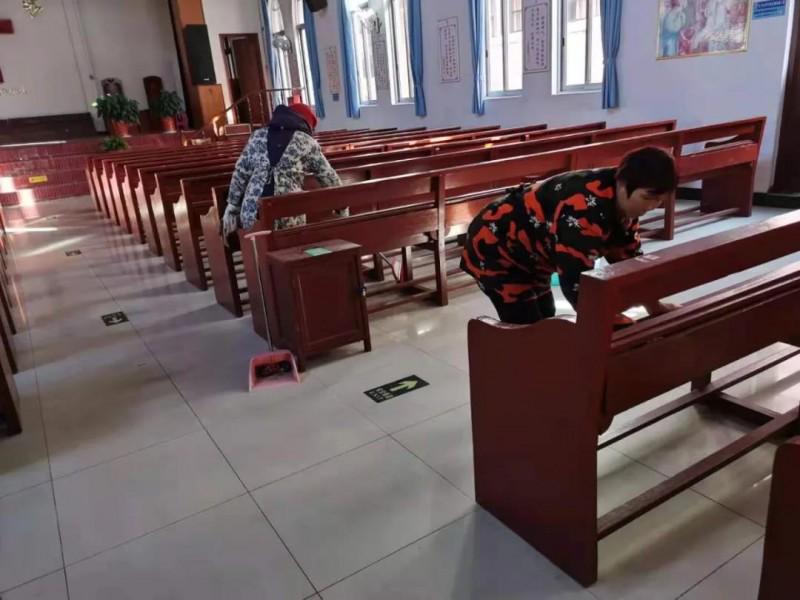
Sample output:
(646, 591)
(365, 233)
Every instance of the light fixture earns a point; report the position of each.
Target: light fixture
(281, 41)
(32, 7)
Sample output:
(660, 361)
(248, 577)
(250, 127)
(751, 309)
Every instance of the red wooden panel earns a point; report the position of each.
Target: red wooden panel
(6, 26)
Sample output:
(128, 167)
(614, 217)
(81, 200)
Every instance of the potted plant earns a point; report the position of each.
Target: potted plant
(120, 111)
(168, 106)
(113, 143)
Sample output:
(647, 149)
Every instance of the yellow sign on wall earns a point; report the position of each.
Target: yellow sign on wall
(38, 179)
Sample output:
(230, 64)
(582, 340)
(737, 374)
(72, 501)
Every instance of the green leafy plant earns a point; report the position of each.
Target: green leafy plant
(113, 143)
(117, 108)
(168, 104)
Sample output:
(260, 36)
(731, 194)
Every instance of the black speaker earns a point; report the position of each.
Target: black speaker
(315, 5)
(198, 53)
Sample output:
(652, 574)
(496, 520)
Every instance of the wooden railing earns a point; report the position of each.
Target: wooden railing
(254, 108)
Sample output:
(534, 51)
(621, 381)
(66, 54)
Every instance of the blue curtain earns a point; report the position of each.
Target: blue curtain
(352, 101)
(477, 13)
(415, 37)
(269, 50)
(313, 59)
(611, 15)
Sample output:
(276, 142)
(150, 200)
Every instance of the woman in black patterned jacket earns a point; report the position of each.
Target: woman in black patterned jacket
(563, 225)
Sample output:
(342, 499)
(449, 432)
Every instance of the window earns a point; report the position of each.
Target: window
(303, 60)
(401, 81)
(365, 65)
(503, 46)
(581, 58)
(282, 78)
(516, 16)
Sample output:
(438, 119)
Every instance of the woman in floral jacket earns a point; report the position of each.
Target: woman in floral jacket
(274, 162)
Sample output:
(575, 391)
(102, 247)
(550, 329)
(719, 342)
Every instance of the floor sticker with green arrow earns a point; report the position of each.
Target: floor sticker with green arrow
(396, 388)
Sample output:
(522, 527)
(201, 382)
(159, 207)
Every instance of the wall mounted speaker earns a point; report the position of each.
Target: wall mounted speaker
(315, 5)
(198, 53)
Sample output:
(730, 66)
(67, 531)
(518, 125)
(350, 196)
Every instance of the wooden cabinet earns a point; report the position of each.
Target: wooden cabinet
(319, 298)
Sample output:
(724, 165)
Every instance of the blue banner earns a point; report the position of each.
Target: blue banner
(763, 9)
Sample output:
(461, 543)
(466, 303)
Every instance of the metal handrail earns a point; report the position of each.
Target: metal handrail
(264, 99)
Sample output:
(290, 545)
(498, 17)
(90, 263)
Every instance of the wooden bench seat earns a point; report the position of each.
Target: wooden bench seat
(536, 425)
(781, 547)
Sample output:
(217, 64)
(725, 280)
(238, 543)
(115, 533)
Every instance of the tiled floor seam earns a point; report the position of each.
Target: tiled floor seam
(470, 498)
(24, 583)
(213, 441)
(153, 531)
(690, 488)
(720, 567)
(469, 513)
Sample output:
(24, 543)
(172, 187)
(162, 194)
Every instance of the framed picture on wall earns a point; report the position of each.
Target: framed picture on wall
(700, 27)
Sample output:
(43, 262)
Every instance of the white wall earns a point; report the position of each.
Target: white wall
(695, 91)
(39, 57)
(130, 40)
(60, 56)
(230, 16)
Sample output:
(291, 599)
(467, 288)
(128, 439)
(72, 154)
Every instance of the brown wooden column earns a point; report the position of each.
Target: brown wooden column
(203, 101)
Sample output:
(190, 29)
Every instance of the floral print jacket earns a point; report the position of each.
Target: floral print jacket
(253, 172)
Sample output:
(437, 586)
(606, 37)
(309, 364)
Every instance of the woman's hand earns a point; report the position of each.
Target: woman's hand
(230, 222)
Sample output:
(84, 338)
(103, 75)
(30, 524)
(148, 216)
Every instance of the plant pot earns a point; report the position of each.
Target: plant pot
(169, 125)
(121, 128)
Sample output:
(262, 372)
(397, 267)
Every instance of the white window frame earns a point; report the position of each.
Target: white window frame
(560, 44)
(284, 73)
(506, 17)
(303, 57)
(394, 30)
(365, 66)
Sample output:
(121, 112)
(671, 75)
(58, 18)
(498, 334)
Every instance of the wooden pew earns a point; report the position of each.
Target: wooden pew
(128, 209)
(428, 137)
(189, 230)
(418, 222)
(536, 425)
(540, 140)
(196, 199)
(139, 184)
(10, 423)
(125, 178)
(99, 174)
(96, 174)
(123, 192)
(113, 173)
(781, 543)
(359, 169)
(396, 136)
(382, 153)
(468, 188)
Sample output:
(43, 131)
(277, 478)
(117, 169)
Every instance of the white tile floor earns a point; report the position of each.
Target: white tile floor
(146, 470)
